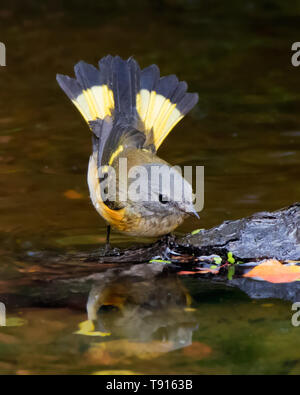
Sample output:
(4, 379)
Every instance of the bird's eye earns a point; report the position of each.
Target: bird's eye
(162, 199)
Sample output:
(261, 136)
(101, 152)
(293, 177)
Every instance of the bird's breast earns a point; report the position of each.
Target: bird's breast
(154, 225)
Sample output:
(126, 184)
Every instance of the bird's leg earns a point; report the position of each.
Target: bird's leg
(167, 242)
(108, 251)
(168, 239)
(107, 244)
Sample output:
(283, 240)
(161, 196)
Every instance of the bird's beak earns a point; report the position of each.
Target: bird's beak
(193, 212)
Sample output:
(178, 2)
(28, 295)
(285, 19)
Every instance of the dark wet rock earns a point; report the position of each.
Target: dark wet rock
(262, 235)
(62, 280)
(266, 234)
(264, 290)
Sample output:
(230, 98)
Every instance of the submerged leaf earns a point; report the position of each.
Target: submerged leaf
(185, 272)
(115, 372)
(201, 270)
(15, 321)
(5, 139)
(87, 328)
(71, 194)
(197, 350)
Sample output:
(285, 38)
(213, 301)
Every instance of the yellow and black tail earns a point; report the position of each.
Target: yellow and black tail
(120, 101)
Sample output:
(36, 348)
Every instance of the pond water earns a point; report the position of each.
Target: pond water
(245, 131)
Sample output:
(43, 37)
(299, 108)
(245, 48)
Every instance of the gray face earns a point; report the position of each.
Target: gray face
(159, 189)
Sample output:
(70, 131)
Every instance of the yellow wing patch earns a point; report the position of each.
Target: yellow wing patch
(158, 114)
(115, 154)
(95, 102)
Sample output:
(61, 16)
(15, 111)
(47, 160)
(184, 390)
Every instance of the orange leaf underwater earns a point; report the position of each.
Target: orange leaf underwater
(202, 271)
(274, 271)
(71, 194)
(197, 350)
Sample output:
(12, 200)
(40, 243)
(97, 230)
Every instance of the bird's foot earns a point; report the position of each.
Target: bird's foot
(169, 243)
(168, 240)
(108, 250)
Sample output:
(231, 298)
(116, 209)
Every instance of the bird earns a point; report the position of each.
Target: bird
(130, 112)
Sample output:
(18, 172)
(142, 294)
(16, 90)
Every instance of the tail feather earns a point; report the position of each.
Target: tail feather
(187, 102)
(74, 91)
(135, 74)
(179, 92)
(119, 90)
(148, 80)
(163, 102)
(124, 87)
(90, 91)
(89, 79)
(105, 67)
(160, 101)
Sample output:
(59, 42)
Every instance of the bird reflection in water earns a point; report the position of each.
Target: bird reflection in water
(142, 304)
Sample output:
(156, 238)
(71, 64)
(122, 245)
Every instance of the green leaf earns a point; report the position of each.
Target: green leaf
(196, 231)
(230, 257)
(159, 261)
(231, 272)
(218, 260)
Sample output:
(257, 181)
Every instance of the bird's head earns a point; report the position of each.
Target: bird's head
(159, 189)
